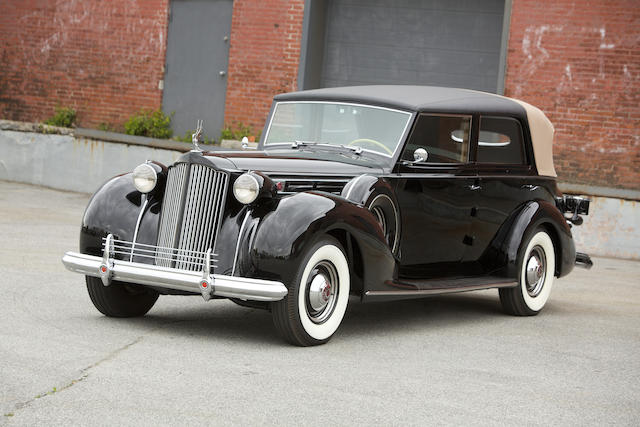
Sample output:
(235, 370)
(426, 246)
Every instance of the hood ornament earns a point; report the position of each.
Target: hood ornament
(197, 136)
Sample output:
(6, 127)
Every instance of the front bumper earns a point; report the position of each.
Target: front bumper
(209, 285)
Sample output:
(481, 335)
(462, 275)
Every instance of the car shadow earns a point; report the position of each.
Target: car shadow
(434, 311)
(234, 323)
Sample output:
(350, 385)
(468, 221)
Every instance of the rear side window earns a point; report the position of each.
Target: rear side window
(445, 138)
(500, 141)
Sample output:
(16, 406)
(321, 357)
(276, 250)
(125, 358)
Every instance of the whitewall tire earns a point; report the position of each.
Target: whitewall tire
(536, 263)
(316, 303)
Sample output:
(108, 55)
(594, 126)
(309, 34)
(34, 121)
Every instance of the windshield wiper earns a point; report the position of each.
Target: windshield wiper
(299, 144)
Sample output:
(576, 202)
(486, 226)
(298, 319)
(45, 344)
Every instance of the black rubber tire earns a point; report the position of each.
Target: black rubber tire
(513, 299)
(286, 313)
(118, 300)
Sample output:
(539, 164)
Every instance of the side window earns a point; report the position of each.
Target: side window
(500, 141)
(445, 138)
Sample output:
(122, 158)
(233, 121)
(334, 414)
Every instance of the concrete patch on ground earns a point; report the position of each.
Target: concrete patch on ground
(452, 359)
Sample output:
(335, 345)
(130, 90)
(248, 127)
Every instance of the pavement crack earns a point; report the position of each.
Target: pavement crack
(84, 374)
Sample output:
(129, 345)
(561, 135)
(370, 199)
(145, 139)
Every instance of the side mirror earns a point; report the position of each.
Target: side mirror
(245, 144)
(420, 155)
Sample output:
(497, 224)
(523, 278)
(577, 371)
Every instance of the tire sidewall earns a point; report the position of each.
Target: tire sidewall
(538, 238)
(326, 249)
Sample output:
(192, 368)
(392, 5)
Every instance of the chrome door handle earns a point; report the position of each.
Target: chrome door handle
(474, 187)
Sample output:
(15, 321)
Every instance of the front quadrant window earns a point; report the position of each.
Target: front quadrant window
(371, 128)
(445, 138)
(500, 141)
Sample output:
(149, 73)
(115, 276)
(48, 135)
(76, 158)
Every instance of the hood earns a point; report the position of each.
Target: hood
(294, 162)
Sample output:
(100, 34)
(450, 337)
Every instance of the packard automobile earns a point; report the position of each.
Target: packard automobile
(374, 192)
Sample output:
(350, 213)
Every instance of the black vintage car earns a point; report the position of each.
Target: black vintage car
(381, 192)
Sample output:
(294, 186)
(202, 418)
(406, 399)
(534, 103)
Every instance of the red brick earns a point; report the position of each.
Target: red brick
(263, 57)
(103, 58)
(580, 63)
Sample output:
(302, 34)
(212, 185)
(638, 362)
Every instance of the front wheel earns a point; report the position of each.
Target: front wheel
(119, 299)
(315, 305)
(536, 262)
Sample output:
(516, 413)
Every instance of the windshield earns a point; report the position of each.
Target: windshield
(374, 129)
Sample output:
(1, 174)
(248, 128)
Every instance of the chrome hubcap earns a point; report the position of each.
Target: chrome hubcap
(319, 292)
(322, 291)
(535, 271)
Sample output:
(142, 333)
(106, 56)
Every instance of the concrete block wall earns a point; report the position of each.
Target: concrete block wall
(68, 163)
(80, 164)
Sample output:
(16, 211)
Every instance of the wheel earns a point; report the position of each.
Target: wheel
(119, 299)
(317, 300)
(372, 142)
(536, 261)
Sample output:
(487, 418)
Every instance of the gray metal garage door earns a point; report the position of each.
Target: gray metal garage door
(428, 42)
(195, 81)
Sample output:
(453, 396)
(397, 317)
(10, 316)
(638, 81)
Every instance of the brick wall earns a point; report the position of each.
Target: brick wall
(580, 63)
(263, 57)
(102, 58)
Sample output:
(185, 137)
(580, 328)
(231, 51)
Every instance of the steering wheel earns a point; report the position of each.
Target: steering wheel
(371, 141)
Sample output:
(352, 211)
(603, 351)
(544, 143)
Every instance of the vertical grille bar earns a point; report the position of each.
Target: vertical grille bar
(202, 212)
(221, 192)
(170, 209)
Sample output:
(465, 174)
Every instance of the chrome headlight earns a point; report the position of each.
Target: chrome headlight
(145, 178)
(246, 189)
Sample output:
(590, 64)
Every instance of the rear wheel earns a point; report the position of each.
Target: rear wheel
(119, 299)
(536, 262)
(315, 305)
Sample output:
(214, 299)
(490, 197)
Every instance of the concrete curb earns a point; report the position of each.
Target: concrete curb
(67, 162)
(83, 159)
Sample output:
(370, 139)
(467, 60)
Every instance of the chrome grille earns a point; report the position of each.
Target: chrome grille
(191, 214)
(122, 249)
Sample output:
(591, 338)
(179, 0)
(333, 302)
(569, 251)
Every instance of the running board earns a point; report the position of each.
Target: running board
(393, 294)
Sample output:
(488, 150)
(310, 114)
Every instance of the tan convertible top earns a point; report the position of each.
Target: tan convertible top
(541, 138)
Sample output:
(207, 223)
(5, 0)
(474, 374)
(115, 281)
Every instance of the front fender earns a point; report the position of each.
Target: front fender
(115, 209)
(504, 250)
(279, 238)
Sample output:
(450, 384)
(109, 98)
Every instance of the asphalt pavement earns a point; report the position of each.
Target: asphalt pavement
(442, 360)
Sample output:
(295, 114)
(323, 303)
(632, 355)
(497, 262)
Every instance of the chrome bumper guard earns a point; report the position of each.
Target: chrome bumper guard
(208, 285)
(583, 260)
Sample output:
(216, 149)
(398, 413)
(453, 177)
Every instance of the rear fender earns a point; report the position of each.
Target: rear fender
(503, 251)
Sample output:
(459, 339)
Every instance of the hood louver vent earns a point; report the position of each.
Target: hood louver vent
(297, 185)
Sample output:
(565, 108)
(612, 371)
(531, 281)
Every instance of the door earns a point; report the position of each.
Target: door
(424, 42)
(195, 80)
(435, 198)
(505, 184)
